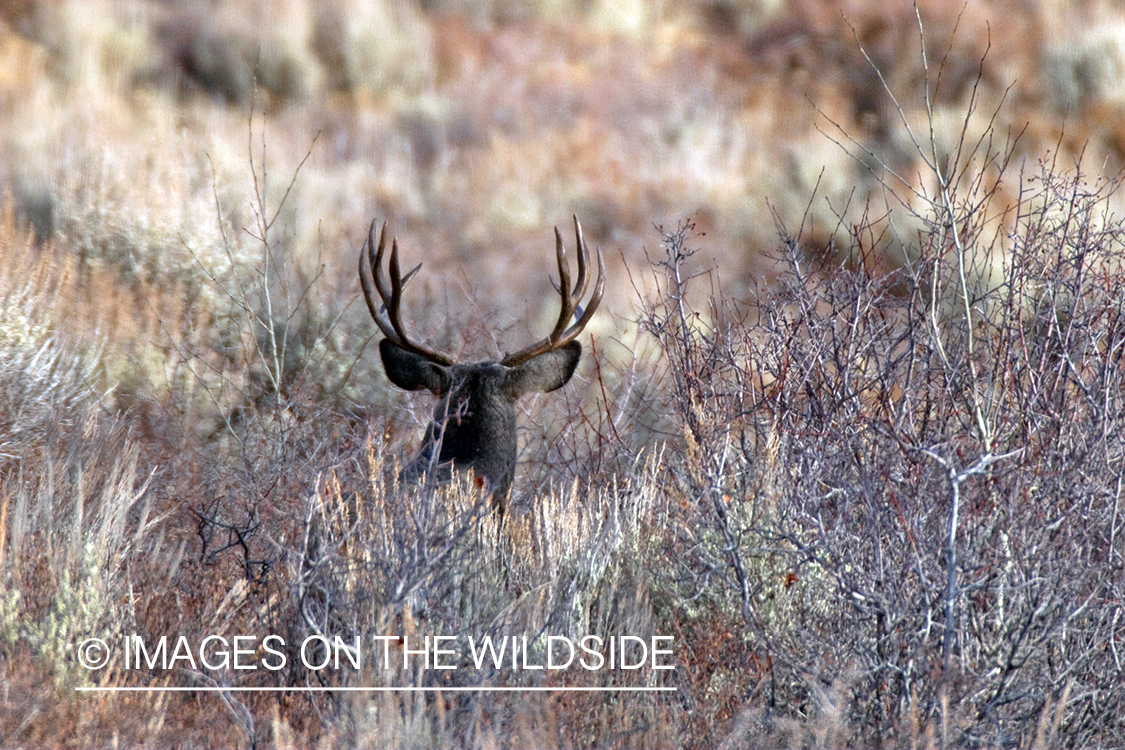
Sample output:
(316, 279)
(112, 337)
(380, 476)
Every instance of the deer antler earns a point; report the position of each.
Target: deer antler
(571, 300)
(389, 316)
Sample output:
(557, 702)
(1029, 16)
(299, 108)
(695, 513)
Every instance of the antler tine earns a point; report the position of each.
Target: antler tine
(566, 312)
(396, 291)
(595, 300)
(561, 335)
(583, 259)
(389, 316)
(366, 277)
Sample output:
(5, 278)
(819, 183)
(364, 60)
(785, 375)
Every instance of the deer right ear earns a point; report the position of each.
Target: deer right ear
(543, 372)
(411, 371)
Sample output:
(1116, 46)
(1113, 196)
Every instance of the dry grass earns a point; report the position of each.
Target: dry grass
(867, 474)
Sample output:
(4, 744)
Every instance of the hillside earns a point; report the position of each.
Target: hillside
(846, 436)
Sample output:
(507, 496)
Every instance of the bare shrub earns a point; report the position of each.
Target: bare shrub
(425, 560)
(904, 490)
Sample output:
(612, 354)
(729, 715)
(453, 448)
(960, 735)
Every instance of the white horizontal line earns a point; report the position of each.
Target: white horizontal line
(320, 689)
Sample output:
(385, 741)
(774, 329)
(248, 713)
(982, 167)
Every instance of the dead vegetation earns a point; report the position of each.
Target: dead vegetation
(865, 468)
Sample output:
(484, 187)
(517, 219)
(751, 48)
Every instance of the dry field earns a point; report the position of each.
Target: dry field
(847, 437)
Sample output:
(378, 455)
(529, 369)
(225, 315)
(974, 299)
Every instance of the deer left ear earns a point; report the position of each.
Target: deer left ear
(413, 371)
(543, 373)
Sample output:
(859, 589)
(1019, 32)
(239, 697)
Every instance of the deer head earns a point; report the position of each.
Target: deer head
(474, 422)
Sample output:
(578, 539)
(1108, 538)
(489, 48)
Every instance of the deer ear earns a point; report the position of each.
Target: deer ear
(543, 373)
(413, 371)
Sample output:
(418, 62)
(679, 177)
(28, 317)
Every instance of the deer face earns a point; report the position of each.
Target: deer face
(474, 422)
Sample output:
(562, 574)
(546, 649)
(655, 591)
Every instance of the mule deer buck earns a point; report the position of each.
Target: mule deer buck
(474, 423)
